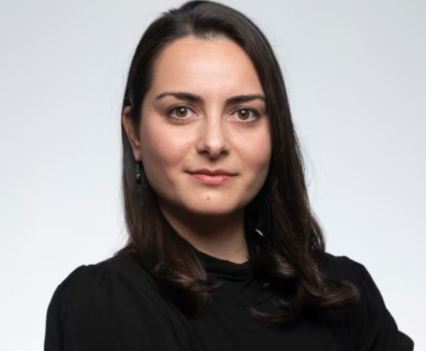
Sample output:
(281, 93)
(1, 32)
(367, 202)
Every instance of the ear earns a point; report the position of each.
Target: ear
(132, 134)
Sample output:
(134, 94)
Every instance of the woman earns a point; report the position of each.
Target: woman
(224, 252)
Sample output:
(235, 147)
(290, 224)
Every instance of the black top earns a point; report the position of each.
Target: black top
(115, 305)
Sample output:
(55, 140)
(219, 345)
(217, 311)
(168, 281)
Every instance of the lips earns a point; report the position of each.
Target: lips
(209, 179)
(212, 177)
(211, 172)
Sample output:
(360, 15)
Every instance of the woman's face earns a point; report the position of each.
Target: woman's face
(190, 121)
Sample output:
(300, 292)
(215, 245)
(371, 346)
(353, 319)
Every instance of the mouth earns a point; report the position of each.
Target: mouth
(212, 179)
(212, 172)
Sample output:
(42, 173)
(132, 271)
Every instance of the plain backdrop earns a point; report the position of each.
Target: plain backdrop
(356, 77)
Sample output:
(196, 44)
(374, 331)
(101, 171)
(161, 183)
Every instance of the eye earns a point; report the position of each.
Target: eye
(180, 112)
(245, 114)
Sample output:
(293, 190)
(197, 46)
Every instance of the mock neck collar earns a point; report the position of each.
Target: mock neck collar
(239, 285)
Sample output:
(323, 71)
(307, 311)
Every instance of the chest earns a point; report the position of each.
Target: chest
(225, 327)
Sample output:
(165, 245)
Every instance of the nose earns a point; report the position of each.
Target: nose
(212, 139)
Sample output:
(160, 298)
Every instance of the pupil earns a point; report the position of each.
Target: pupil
(181, 111)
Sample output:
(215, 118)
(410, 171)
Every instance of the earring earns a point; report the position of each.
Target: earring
(139, 172)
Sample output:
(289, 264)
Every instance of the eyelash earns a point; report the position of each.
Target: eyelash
(255, 113)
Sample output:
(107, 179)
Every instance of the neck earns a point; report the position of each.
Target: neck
(221, 236)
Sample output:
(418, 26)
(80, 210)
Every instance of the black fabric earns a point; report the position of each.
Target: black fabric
(115, 305)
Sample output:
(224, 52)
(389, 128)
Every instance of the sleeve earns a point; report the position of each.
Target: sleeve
(84, 312)
(56, 312)
(97, 308)
(378, 330)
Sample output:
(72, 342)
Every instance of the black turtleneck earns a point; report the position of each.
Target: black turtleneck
(115, 305)
(238, 283)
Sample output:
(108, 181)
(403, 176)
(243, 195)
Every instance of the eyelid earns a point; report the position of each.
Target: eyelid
(175, 108)
(256, 113)
(252, 109)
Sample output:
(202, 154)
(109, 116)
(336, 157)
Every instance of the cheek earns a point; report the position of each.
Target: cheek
(161, 149)
(256, 154)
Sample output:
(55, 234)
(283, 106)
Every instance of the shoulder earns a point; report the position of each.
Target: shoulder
(106, 305)
(371, 321)
(99, 280)
(343, 268)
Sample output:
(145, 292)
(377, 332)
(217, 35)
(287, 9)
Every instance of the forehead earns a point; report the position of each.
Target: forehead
(214, 64)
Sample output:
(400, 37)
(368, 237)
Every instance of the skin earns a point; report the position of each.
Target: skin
(177, 135)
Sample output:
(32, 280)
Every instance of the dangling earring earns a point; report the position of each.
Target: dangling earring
(139, 172)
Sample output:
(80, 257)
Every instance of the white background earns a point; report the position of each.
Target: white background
(356, 76)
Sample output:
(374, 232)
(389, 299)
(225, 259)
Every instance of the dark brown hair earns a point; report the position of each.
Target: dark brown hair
(292, 246)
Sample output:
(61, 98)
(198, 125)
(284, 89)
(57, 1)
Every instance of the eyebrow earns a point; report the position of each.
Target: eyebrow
(197, 98)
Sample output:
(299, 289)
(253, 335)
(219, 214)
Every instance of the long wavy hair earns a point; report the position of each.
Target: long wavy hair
(292, 246)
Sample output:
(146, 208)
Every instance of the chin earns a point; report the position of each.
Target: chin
(217, 209)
